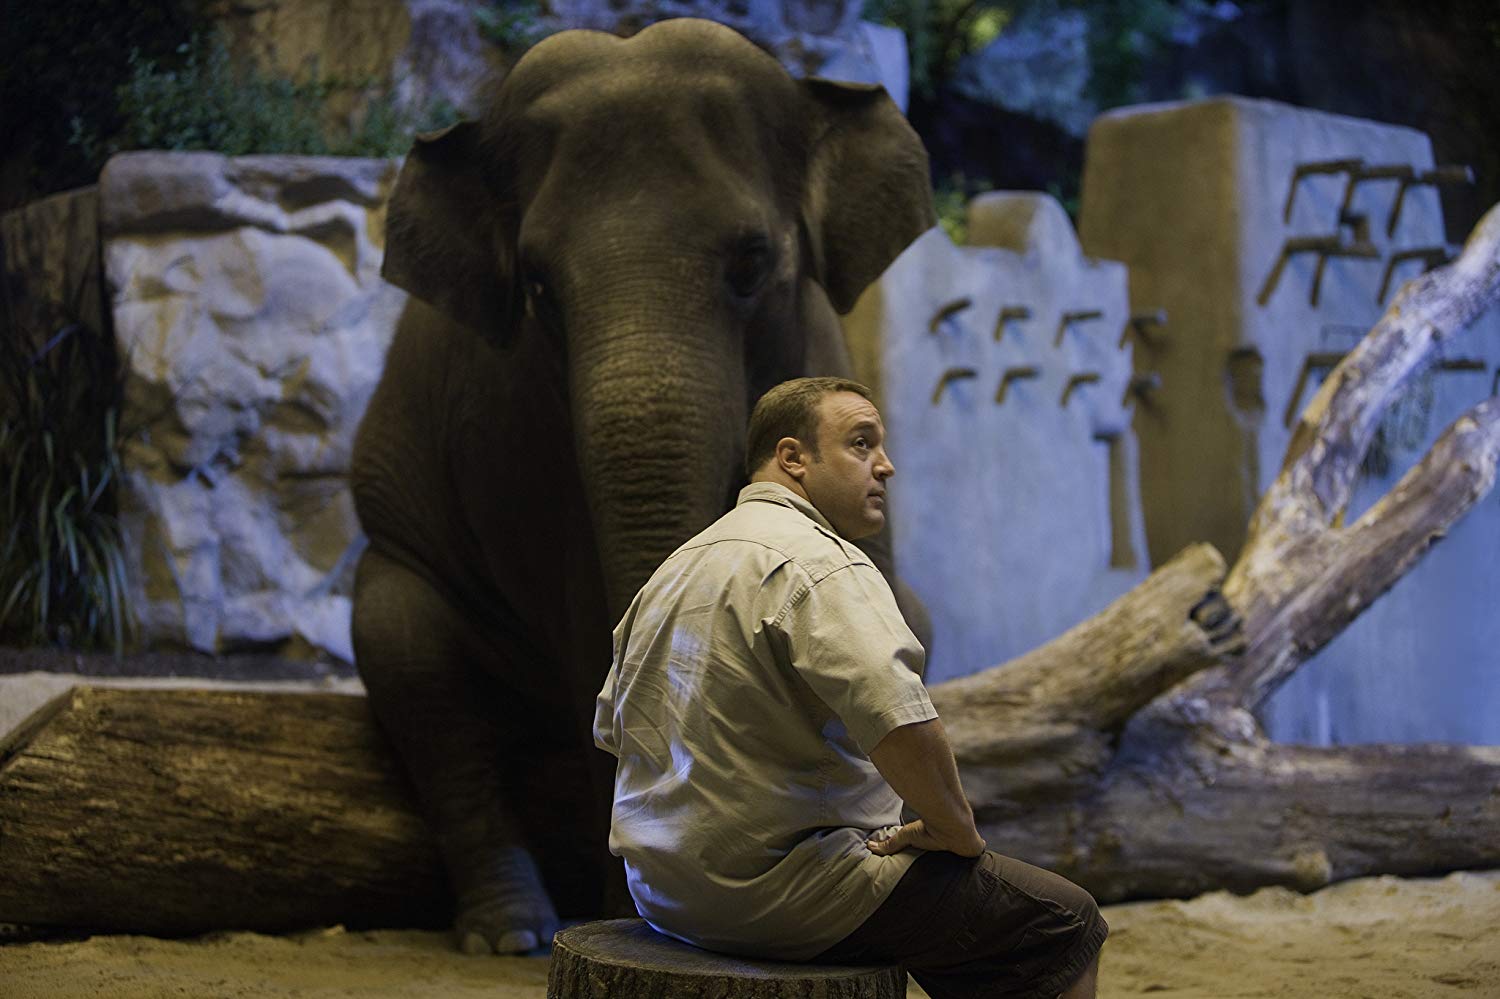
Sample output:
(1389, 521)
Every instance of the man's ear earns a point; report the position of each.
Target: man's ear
(791, 457)
(448, 241)
(868, 189)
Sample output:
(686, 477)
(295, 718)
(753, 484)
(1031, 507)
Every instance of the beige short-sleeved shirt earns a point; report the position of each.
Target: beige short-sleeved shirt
(752, 674)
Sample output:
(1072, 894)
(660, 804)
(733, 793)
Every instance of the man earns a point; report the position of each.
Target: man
(766, 707)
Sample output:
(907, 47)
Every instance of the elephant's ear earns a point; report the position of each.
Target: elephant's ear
(446, 242)
(868, 192)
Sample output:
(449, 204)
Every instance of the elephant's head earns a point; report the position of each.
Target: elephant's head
(674, 215)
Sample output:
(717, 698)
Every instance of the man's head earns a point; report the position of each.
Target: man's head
(823, 439)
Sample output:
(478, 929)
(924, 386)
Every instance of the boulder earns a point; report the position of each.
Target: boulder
(49, 254)
(810, 38)
(433, 52)
(425, 51)
(251, 323)
(1005, 359)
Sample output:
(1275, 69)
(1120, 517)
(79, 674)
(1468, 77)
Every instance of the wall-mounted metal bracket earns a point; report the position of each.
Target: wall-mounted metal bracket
(1069, 318)
(1309, 169)
(1010, 313)
(948, 311)
(1139, 323)
(1141, 387)
(1431, 256)
(1326, 361)
(1460, 364)
(1324, 247)
(951, 375)
(1317, 361)
(1443, 176)
(1084, 378)
(1013, 375)
(1394, 171)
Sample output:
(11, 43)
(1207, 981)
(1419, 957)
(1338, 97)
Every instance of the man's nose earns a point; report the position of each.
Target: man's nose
(883, 467)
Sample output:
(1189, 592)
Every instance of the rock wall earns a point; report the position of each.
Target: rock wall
(49, 257)
(1004, 376)
(431, 51)
(810, 37)
(1218, 208)
(252, 326)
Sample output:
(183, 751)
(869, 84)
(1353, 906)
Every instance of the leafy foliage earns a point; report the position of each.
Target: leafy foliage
(511, 24)
(206, 102)
(62, 60)
(941, 32)
(62, 563)
(950, 198)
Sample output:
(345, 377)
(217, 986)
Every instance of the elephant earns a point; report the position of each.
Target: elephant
(633, 240)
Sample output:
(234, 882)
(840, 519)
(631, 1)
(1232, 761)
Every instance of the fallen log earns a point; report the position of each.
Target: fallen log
(175, 812)
(1124, 754)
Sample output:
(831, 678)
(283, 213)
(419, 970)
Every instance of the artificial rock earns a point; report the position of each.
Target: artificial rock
(252, 324)
(1216, 206)
(49, 254)
(433, 52)
(809, 37)
(1038, 67)
(1004, 376)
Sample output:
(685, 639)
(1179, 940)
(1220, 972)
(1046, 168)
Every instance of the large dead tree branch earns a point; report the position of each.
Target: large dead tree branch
(1181, 816)
(1185, 794)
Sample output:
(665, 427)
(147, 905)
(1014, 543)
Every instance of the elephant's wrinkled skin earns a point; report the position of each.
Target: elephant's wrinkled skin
(649, 233)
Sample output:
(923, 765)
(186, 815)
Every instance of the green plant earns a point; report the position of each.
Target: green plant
(939, 33)
(951, 200)
(511, 24)
(204, 101)
(62, 562)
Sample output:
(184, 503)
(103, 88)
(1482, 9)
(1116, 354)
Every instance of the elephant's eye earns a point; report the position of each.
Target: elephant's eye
(749, 266)
(538, 299)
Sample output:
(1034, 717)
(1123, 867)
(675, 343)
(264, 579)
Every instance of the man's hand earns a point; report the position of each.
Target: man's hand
(918, 763)
(916, 834)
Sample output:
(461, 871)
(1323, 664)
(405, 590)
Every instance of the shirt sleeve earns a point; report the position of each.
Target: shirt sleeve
(848, 640)
(606, 732)
(604, 714)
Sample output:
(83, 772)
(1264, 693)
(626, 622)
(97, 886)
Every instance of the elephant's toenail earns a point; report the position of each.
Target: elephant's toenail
(516, 941)
(474, 943)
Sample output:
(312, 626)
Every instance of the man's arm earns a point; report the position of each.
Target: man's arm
(918, 763)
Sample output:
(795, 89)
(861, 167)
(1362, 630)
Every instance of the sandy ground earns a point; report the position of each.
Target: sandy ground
(1366, 939)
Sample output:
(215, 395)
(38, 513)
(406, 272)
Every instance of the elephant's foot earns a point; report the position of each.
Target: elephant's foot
(505, 908)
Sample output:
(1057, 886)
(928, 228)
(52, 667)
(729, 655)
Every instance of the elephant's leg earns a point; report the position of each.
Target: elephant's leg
(429, 673)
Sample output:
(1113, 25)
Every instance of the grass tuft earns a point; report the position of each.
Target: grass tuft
(62, 557)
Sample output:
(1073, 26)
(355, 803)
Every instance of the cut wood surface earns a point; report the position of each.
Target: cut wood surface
(626, 957)
(182, 811)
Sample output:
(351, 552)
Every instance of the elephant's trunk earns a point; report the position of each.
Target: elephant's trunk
(659, 416)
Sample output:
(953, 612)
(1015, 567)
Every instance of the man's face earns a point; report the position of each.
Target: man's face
(846, 482)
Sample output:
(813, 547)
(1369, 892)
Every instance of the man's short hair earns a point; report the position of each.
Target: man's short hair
(790, 410)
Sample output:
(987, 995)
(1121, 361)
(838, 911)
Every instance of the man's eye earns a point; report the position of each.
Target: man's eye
(861, 443)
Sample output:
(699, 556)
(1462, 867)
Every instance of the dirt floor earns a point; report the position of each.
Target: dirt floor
(1364, 939)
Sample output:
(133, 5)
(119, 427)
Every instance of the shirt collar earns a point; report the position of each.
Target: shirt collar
(773, 492)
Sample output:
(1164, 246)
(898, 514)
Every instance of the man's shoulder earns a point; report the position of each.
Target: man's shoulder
(783, 533)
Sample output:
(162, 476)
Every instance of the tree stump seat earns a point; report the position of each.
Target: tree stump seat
(626, 958)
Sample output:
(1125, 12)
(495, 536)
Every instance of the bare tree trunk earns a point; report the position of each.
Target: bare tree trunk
(1173, 789)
